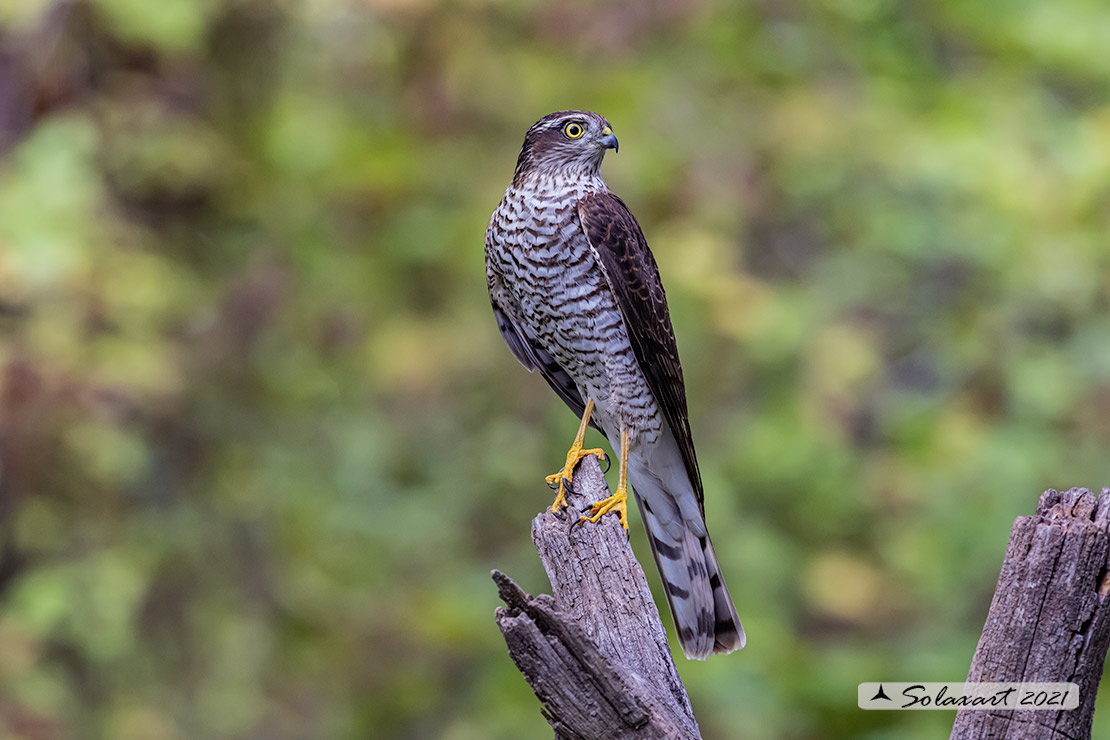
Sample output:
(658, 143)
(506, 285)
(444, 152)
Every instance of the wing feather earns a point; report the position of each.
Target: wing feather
(633, 276)
(534, 357)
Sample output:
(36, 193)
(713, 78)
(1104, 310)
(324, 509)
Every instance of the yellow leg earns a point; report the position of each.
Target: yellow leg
(618, 501)
(576, 453)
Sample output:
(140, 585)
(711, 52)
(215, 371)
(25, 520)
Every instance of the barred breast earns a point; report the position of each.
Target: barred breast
(541, 269)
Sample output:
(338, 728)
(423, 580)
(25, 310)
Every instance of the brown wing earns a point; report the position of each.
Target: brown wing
(633, 276)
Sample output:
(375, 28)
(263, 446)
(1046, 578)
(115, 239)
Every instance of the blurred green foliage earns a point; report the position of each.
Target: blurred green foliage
(261, 443)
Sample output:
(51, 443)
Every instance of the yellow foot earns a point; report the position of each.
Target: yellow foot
(617, 502)
(564, 476)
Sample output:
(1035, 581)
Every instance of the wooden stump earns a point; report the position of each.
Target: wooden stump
(1049, 619)
(595, 653)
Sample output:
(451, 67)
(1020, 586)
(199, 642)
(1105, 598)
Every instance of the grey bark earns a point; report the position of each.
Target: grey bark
(595, 652)
(1049, 619)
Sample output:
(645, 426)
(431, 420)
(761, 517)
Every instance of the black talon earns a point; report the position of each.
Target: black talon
(553, 486)
(608, 464)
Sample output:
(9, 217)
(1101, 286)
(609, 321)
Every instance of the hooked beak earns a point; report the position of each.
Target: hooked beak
(608, 140)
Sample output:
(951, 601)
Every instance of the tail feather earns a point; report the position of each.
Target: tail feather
(728, 633)
(705, 617)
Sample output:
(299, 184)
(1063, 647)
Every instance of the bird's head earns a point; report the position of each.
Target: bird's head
(570, 142)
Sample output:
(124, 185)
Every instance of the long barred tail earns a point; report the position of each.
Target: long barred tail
(703, 612)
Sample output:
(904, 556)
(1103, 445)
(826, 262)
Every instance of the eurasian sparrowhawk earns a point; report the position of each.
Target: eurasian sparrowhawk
(577, 296)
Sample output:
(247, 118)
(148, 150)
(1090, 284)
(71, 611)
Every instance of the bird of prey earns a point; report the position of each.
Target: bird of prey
(577, 296)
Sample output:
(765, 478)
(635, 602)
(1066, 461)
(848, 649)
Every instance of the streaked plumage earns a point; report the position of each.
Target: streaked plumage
(577, 296)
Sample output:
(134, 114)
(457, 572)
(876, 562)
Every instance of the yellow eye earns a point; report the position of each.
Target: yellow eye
(574, 130)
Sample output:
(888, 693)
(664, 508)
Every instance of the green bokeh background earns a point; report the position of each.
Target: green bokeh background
(261, 443)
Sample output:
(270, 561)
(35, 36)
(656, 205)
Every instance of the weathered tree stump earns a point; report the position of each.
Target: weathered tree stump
(595, 653)
(1049, 619)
